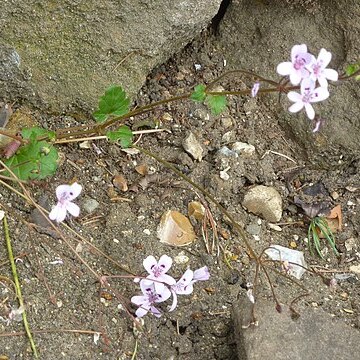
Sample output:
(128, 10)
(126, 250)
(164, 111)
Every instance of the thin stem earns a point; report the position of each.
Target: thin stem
(18, 288)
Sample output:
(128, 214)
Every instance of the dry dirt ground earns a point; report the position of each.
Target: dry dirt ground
(63, 298)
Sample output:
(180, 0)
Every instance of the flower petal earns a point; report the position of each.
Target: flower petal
(164, 295)
(142, 311)
(295, 77)
(148, 263)
(294, 96)
(174, 303)
(167, 279)
(165, 262)
(319, 94)
(75, 190)
(155, 311)
(331, 74)
(298, 49)
(139, 300)
(310, 112)
(296, 107)
(324, 57)
(322, 81)
(285, 68)
(73, 209)
(201, 274)
(58, 213)
(61, 190)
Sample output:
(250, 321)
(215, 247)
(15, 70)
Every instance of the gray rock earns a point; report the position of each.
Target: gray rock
(264, 201)
(71, 51)
(243, 148)
(249, 39)
(192, 146)
(90, 205)
(313, 336)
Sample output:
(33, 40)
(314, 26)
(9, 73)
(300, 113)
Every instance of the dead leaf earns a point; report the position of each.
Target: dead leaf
(336, 213)
(120, 183)
(175, 229)
(196, 209)
(142, 169)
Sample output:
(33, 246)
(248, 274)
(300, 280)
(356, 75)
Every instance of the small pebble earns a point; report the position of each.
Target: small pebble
(146, 232)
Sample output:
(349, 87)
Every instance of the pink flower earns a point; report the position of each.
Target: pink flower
(185, 285)
(308, 94)
(148, 299)
(157, 271)
(318, 69)
(255, 89)
(65, 194)
(296, 69)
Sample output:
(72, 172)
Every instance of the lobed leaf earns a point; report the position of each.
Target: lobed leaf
(199, 93)
(123, 134)
(216, 103)
(115, 102)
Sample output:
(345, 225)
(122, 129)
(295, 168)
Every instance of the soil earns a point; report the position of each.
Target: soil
(64, 299)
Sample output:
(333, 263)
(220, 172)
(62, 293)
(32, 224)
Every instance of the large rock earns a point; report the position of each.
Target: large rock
(257, 35)
(313, 336)
(65, 53)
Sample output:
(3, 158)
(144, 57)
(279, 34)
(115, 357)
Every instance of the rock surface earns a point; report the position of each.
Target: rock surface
(264, 201)
(258, 35)
(313, 336)
(192, 146)
(62, 54)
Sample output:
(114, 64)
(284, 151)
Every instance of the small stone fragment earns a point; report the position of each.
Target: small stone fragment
(243, 148)
(274, 227)
(142, 169)
(355, 269)
(175, 229)
(90, 205)
(264, 201)
(192, 146)
(196, 209)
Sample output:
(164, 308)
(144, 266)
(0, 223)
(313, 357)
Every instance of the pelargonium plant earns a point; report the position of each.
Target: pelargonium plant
(158, 286)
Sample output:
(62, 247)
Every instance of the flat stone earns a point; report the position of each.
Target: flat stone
(192, 146)
(313, 336)
(90, 205)
(242, 148)
(264, 201)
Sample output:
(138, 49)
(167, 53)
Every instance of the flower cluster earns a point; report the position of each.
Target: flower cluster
(158, 286)
(308, 71)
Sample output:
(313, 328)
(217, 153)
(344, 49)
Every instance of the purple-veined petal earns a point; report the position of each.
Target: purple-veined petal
(201, 274)
(331, 74)
(165, 262)
(163, 296)
(149, 262)
(324, 58)
(73, 209)
(296, 50)
(58, 213)
(310, 112)
(62, 191)
(294, 96)
(307, 85)
(159, 287)
(296, 107)
(319, 94)
(155, 311)
(186, 290)
(284, 68)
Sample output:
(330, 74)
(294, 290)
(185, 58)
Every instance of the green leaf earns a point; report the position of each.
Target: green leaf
(350, 69)
(199, 93)
(123, 135)
(36, 160)
(36, 132)
(217, 103)
(114, 102)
